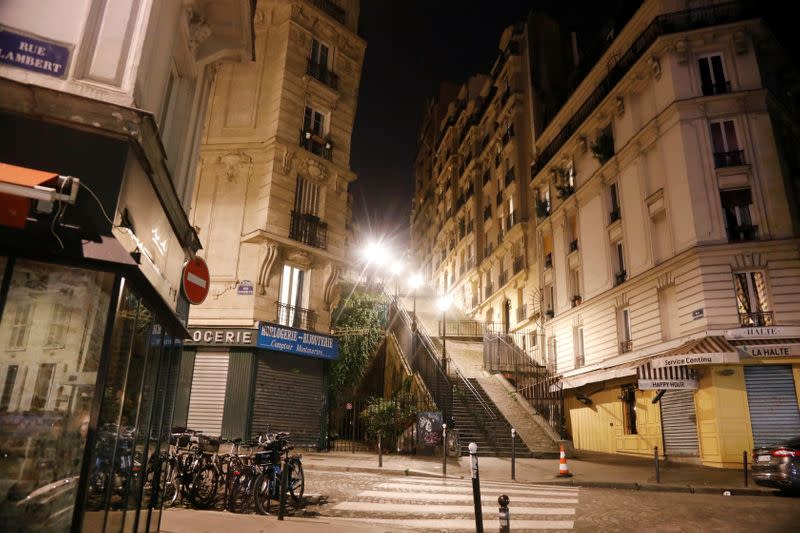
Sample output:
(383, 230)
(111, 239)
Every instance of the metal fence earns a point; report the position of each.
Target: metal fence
(355, 423)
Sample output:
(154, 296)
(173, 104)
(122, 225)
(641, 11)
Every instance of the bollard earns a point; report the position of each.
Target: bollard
(380, 451)
(444, 450)
(476, 487)
(744, 463)
(655, 457)
(513, 454)
(504, 515)
(284, 483)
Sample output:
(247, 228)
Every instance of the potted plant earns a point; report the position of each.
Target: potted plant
(603, 146)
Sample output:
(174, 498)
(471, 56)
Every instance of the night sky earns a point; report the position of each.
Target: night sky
(412, 46)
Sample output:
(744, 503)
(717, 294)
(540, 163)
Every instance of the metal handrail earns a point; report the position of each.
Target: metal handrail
(475, 393)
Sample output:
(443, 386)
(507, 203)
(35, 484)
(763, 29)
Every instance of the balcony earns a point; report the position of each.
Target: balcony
(620, 277)
(309, 230)
(573, 246)
(323, 74)
(729, 159)
(296, 317)
(503, 278)
(522, 312)
(742, 233)
(565, 191)
(329, 7)
(548, 261)
(488, 291)
(721, 87)
(519, 264)
(756, 319)
(625, 346)
(316, 144)
(542, 208)
(576, 300)
(614, 215)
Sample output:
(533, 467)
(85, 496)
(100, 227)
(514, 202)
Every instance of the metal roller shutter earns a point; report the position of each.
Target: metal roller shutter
(289, 397)
(773, 403)
(679, 423)
(206, 404)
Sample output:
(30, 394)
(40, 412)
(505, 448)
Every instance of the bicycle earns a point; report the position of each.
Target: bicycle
(267, 485)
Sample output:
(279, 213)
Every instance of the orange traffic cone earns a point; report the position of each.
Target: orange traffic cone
(563, 471)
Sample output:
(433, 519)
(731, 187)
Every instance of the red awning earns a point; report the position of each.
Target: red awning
(20, 185)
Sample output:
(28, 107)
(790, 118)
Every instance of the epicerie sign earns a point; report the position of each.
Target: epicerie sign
(222, 336)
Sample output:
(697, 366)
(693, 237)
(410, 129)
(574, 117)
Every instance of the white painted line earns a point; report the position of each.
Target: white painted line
(197, 280)
(521, 490)
(432, 497)
(468, 525)
(468, 482)
(371, 507)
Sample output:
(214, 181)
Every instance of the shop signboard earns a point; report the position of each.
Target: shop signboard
(771, 350)
(714, 358)
(766, 332)
(297, 341)
(222, 337)
(667, 384)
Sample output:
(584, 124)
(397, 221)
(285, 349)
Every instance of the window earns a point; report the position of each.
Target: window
(314, 122)
(320, 54)
(549, 299)
(20, 326)
(572, 233)
(613, 193)
(751, 299)
(668, 312)
(628, 398)
(712, 75)
(553, 360)
(618, 263)
(8, 387)
(59, 326)
(575, 285)
(41, 390)
(736, 213)
(725, 143)
(624, 324)
(570, 169)
(579, 353)
(306, 197)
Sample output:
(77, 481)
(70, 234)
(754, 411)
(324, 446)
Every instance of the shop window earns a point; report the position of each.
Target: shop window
(38, 395)
(751, 299)
(628, 398)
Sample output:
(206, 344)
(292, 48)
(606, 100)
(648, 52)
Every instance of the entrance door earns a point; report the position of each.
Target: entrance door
(772, 400)
(679, 423)
(207, 402)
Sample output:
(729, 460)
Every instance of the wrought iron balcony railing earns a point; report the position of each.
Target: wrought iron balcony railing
(743, 233)
(308, 229)
(729, 159)
(522, 312)
(296, 317)
(323, 74)
(316, 144)
(756, 319)
(330, 7)
(721, 87)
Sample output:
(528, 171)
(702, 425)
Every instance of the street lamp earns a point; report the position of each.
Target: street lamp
(414, 283)
(444, 305)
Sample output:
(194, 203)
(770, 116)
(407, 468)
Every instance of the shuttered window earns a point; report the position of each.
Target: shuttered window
(306, 197)
(679, 423)
(206, 405)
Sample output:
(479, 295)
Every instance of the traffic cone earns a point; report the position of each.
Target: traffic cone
(563, 471)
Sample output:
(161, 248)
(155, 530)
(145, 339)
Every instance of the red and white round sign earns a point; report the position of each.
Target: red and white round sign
(195, 281)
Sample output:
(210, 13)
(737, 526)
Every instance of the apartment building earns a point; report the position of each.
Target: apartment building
(271, 209)
(471, 198)
(101, 109)
(666, 232)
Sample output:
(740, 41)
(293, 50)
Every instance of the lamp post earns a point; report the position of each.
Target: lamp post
(414, 283)
(444, 305)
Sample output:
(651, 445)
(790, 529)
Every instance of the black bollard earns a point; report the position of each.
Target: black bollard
(380, 451)
(284, 482)
(476, 487)
(744, 464)
(513, 454)
(655, 457)
(504, 515)
(444, 450)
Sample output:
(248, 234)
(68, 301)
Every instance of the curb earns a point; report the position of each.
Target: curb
(654, 487)
(378, 470)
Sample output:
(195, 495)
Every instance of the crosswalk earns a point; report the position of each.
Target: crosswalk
(447, 505)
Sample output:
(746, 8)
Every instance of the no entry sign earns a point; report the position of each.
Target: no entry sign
(196, 281)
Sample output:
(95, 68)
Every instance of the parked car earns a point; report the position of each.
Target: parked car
(778, 466)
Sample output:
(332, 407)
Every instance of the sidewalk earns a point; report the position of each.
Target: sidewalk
(589, 469)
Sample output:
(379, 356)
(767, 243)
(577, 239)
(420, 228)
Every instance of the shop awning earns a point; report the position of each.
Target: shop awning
(20, 185)
(670, 378)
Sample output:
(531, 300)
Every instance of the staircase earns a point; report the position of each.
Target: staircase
(478, 421)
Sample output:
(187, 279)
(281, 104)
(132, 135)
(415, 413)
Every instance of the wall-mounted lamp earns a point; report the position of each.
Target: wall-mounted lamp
(585, 400)
(658, 396)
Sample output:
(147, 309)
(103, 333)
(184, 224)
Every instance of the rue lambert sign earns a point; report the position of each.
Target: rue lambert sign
(40, 56)
(270, 337)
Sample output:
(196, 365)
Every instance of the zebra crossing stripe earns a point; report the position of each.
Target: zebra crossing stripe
(467, 525)
(460, 489)
(371, 507)
(467, 497)
(499, 484)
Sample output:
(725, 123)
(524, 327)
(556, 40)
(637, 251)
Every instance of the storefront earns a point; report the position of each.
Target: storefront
(711, 398)
(245, 381)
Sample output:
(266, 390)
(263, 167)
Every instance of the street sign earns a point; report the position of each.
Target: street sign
(195, 281)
